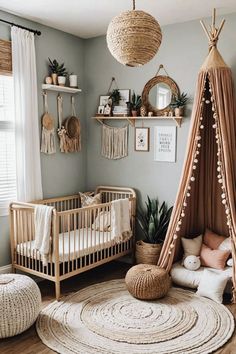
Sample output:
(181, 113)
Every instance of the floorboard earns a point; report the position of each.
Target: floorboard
(29, 343)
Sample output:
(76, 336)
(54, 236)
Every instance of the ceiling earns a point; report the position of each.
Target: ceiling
(90, 18)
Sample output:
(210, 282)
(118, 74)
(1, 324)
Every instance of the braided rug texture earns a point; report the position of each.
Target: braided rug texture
(105, 318)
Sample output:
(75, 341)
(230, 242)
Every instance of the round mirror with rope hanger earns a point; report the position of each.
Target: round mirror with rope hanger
(159, 92)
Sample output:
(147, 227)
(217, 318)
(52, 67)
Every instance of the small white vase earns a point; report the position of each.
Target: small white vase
(61, 80)
(73, 81)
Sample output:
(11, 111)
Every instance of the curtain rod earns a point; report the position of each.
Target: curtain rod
(38, 33)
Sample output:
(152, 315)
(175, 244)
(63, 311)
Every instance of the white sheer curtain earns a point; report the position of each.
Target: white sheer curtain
(28, 168)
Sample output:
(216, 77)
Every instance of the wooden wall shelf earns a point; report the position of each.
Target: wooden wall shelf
(57, 88)
(132, 120)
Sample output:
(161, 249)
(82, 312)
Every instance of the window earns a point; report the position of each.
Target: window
(7, 144)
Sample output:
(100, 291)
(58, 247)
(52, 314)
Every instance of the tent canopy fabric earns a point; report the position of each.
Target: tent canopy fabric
(207, 192)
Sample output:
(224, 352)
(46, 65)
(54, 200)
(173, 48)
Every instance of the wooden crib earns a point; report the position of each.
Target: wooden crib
(75, 244)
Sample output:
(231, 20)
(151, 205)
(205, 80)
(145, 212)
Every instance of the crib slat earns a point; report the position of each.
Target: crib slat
(74, 232)
(69, 228)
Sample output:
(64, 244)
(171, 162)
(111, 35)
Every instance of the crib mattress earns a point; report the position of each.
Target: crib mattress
(191, 278)
(75, 244)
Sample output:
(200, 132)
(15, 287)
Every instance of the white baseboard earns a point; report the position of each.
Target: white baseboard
(6, 269)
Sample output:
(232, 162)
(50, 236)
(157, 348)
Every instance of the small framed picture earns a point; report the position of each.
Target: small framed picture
(141, 142)
(107, 109)
(101, 109)
(103, 100)
(124, 97)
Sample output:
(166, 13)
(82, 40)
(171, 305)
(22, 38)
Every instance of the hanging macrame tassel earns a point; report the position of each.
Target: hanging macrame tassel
(74, 140)
(48, 144)
(48, 141)
(63, 142)
(114, 142)
(61, 130)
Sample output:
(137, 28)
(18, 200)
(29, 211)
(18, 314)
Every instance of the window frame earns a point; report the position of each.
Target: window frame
(10, 127)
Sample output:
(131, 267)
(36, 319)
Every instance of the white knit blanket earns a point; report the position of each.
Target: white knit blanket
(42, 221)
(120, 220)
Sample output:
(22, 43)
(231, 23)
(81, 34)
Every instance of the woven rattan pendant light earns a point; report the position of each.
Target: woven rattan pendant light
(134, 37)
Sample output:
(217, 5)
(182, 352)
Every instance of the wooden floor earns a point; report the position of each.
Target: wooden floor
(29, 343)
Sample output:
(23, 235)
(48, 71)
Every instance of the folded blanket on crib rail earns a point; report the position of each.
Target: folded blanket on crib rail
(42, 221)
(120, 220)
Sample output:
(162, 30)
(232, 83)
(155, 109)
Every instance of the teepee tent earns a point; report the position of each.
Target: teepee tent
(207, 192)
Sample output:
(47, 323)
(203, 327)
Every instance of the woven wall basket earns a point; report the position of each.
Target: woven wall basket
(147, 253)
(134, 37)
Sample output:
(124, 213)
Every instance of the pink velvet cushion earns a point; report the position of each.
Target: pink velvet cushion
(212, 240)
(213, 258)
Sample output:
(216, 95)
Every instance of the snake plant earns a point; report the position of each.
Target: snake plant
(57, 68)
(179, 100)
(154, 220)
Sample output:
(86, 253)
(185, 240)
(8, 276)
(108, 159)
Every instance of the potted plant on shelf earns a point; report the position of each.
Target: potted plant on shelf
(178, 104)
(115, 97)
(153, 222)
(58, 72)
(135, 104)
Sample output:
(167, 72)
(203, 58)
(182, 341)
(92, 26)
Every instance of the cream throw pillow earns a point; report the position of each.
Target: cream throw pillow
(88, 200)
(212, 285)
(102, 221)
(192, 247)
(225, 245)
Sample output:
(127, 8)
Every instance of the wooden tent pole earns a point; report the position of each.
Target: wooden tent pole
(213, 33)
(205, 30)
(220, 28)
(213, 19)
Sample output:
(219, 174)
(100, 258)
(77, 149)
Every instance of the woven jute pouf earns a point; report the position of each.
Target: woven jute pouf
(147, 282)
(20, 302)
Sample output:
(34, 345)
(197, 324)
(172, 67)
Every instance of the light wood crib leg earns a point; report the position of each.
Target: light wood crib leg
(13, 269)
(58, 290)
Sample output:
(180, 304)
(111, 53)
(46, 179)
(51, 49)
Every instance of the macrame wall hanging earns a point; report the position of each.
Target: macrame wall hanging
(48, 143)
(114, 142)
(69, 131)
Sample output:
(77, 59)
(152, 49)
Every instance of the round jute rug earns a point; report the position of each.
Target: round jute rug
(105, 318)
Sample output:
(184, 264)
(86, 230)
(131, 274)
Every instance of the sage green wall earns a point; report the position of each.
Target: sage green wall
(61, 174)
(183, 49)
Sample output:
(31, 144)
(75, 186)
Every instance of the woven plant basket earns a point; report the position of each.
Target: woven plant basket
(133, 37)
(147, 253)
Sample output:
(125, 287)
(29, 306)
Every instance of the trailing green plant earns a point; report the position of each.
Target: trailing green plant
(115, 96)
(57, 68)
(135, 102)
(154, 220)
(179, 100)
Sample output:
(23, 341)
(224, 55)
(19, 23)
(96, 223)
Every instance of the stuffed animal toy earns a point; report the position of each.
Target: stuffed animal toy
(192, 262)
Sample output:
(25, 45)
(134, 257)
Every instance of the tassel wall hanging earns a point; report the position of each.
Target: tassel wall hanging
(61, 130)
(73, 130)
(114, 142)
(69, 132)
(48, 143)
